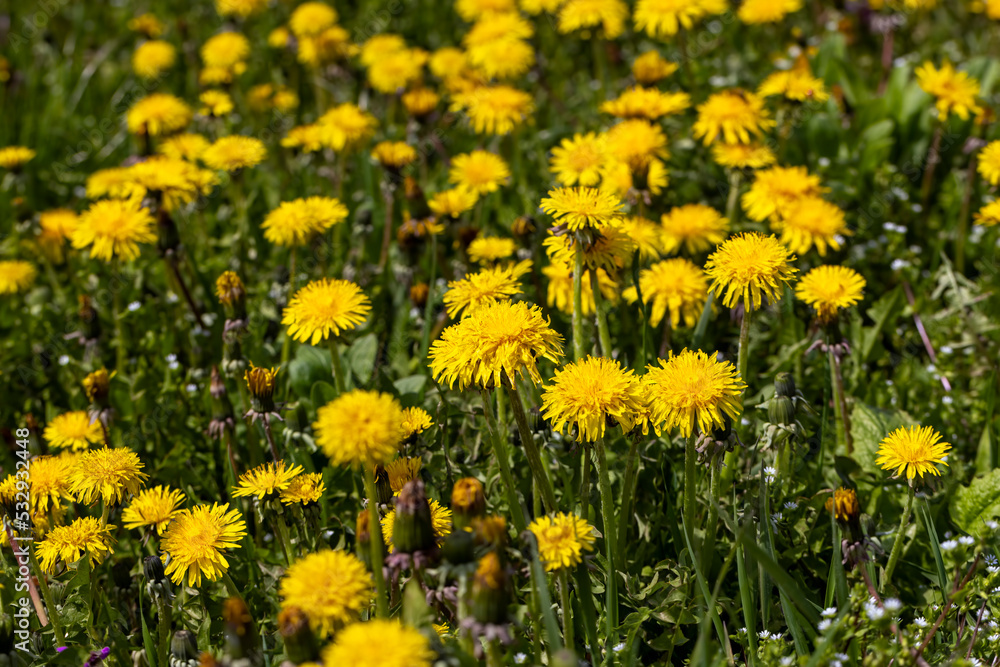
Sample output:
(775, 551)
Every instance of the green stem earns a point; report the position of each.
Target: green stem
(690, 458)
(602, 316)
(165, 626)
(375, 542)
(628, 489)
(493, 656)
(840, 404)
(578, 303)
(503, 461)
(286, 347)
(585, 484)
(286, 543)
(711, 528)
(743, 357)
(531, 450)
(50, 602)
(425, 336)
(732, 210)
(116, 313)
(608, 514)
(897, 545)
(567, 608)
(338, 366)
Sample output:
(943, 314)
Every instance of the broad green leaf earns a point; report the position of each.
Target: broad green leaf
(413, 384)
(322, 393)
(310, 365)
(972, 506)
(869, 425)
(361, 358)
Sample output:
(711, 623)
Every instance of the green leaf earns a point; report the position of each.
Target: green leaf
(147, 640)
(413, 384)
(883, 312)
(869, 425)
(310, 365)
(361, 357)
(322, 393)
(971, 506)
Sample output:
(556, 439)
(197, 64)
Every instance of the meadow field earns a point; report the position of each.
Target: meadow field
(412, 333)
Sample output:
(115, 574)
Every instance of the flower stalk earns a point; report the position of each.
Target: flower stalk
(375, 543)
(897, 545)
(531, 448)
(608, 514)
(503, 461)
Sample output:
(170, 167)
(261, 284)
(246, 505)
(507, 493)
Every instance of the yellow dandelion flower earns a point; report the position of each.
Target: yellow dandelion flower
(742, 156)
(266, 481)
(471, 10)
(73, 430)
(750, 265)
(479, 172)
(663, 18)
(379, 643)
(495, 110)
(440, 523)
(843, 504)
(585, 394)
(955, 91)
(582, 208)
(325, 308)
(116, 182)
(453, 203)
(648, 103)
(56, 227)
(311, 18)
(331, 587)
(637, 143)
(732, 115)
(913, 452)
(153, 58)
(795, 84)
(809, 222)
(298, 222)
(775, 190)
(153, 507)
(146, 24)
(178, 182)
(304, 489)
(536, 7)
(360, 428)
(989, 215)
(559, 291)
(69, 544)
(503, 59)
(241, 8)
(106, 474)
(489, 249)
(394, 154)
(830, 288)
(226, 51)
(196, 541)
(50, 481)
(405, 469)
(397, 70)
(692, 388)
(651, 67)
(13, 157)
(331, 45)
(420, 101)
(97, 384)
(188, 147)
(578, 160)
(448, 62)
(754, 12)
(114, 228)
(608, 15)
(215, 103)
(646, 235)
(499, 338)
(610, 249)
(234, 152)
(158, 114)
(479, 289)
(989, 163)
(16, 276)
(346, 126)
(619, 178)
(695, 226)
(415, 420)
(309, 138)
(380, 46)
(562, 540)
(677, 286)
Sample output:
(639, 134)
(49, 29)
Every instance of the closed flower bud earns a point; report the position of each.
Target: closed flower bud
(784, 385)
(383, 487)
(241, 635)
(184, 647)
(152, 567)
(490, 531)
(232, 294)
(489, 590)
(781, 410)
(419, 294)
(261, 382)
(300, 642)
(459, 547)
(97, 386)
(413, 529)
(844, 505)
(468, 501)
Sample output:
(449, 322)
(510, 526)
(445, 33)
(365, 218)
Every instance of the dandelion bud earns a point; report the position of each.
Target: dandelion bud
(231, 292)
(383, 487)
(260, 382)
(184, 648)
(413, 529)
(489, 590)
(152, 567)
(490, 531)
(415, 199)
(97, 386)
(844, 505)
(419, 294)
(362, 534)
(468, 501)
(784, 385)
(300, 642)
(781, 410)
(459, 547)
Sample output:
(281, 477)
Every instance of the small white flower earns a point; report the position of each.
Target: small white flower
(134, 306)
(770, 474)
(874, 613)
(840, 656)
(619, 647)
(892, 604)
(742, 631)
(824, 162)
(992, 525)
(829, 612)
(966, 540)
(994, 637)
(824, 625)
(791, 505)
(949, 545)
(171, 297)
(766, 635)
(947, 400)
(898, 264)
(63, 359)
(947, 349)
(787, 661)
(920, 622)
(519, 658)
(191, 388)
